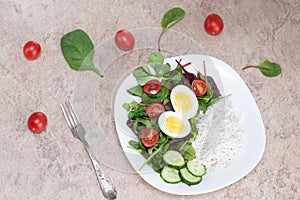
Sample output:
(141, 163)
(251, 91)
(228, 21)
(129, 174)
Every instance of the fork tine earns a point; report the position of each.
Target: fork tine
(72, 112)
(64, 109)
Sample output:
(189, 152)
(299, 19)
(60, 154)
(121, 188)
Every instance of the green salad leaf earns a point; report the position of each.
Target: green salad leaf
(156, 58)
(267, 68)
(78, 50)
(170, 18)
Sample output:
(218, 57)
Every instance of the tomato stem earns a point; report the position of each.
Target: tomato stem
(247, 67)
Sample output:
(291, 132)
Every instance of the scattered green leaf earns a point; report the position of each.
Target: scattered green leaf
(267, 68)
(170, 18)
(78, 50)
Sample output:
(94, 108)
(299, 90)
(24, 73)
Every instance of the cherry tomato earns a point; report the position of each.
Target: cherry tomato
(213, 24)
(154, 110)
(152, 87)
(199, 87)
(149, 137)
(37, 122)
(124, 40)
(32, 50)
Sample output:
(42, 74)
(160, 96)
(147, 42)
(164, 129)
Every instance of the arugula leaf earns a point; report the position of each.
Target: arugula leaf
(153, 154)
(138, 112)
(78, 50)
(131, 105)
(267, 68)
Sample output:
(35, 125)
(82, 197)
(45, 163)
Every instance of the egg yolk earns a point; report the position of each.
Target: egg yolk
(182, 102)
(174, 125)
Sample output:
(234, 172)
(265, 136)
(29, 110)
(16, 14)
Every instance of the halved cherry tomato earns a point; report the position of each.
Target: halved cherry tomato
(199, 87)
(124, 40)
(152, 87)
(37, 122)
(149, 137)
(154, 110)
(213, 24)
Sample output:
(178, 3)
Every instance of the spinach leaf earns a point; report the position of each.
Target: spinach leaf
(170, 18)
(267, 68)
(161, 69)
(143, 76)
(270, 69)
(136, 91)
(156, 58)
(78, 50)
(159, 97)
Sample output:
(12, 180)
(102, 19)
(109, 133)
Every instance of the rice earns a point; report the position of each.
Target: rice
(221, 136)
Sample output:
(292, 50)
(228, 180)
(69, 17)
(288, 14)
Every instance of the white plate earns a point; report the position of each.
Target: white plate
(228, 82)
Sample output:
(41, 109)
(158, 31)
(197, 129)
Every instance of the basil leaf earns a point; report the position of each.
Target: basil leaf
(156, 58)
(78, 50)
(136, 91)
(171, 17)
(270, 69)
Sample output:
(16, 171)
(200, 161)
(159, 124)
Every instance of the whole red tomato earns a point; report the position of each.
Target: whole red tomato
(32, 50)
(213, 24)
(37, 122)
(124, 40)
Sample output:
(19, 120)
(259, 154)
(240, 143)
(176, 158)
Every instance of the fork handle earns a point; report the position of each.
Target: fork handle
(107, 188)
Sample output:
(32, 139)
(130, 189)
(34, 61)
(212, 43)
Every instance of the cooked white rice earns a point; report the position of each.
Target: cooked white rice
(221, 136)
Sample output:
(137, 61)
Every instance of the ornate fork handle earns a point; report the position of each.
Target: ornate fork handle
(107, 188)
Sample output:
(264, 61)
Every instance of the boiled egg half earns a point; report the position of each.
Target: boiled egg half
(174, 124)
(184, 101)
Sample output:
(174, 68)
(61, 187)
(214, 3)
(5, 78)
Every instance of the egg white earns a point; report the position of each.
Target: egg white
(162, 122)
(184, 101)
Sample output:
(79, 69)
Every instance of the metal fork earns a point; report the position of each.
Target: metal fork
(107, 188)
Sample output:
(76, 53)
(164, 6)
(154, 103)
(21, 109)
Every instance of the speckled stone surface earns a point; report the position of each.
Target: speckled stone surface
(53, 165)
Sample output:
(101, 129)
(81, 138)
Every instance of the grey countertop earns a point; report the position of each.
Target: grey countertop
(53, 165)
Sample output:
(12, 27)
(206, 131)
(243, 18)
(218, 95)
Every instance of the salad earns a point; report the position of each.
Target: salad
(165, 118)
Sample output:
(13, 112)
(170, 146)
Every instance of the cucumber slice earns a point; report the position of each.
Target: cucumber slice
(174, 159)
(196, 168)
(189, 178)
(170, 175)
